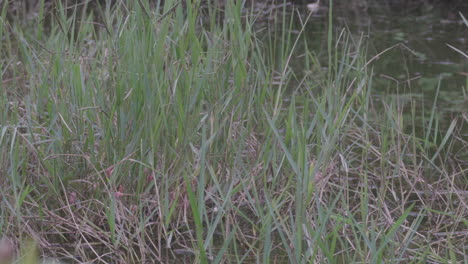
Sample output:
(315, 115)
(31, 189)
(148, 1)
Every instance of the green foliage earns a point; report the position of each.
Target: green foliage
(133, 133)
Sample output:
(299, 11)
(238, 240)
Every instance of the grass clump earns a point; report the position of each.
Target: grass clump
(149, 134)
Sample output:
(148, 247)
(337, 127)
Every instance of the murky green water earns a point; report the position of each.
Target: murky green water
(407, 42)
(422, 56)
(419, 35)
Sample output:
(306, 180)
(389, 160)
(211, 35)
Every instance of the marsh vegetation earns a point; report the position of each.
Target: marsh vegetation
(173, 132)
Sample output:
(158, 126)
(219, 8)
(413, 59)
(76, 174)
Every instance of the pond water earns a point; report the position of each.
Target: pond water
(422, 56)
(411, 39)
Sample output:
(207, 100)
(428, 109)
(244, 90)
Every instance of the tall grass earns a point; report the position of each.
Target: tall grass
(138, 134)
